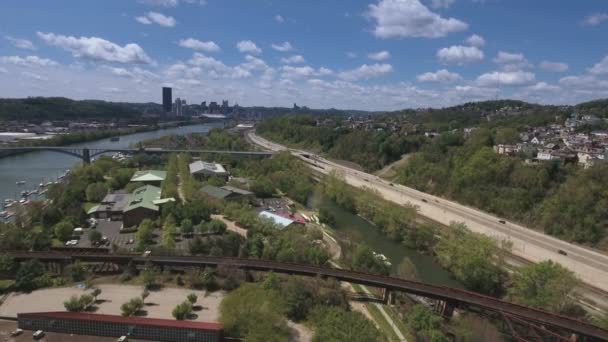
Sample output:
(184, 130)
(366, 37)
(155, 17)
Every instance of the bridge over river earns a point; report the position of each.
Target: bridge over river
(86, 153)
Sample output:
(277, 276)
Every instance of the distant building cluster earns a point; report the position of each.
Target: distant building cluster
(562, 142)
(180, 108)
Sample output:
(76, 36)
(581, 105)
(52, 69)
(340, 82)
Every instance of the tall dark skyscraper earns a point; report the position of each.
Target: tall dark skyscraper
(167, 100)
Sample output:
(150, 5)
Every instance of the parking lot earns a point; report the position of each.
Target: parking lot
(6, 327)
(110, 230)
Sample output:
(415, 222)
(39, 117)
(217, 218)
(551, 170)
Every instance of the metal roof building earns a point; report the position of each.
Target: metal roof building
(280, 221)
(149, 176)
(150, 329)
(206, 169)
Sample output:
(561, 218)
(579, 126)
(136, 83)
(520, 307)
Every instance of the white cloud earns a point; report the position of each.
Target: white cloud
(21, 43)
(254, 63)
(279, 18)
(601, 67)
(34, 76)
(122, 72)
(295, 59)
(198, 45)
(595, 19)
(3, 70)
(289, 72)
(410, 18)
(379, 56)
(351, 54)
(247, 46)
(475, 40)
(97, 48)
(553, 66)
(543, 87)
(511, 61)
(171, 3)
(283, 47)
(459, 54)
(28, 61)
(506, 78)
(158, 18)
(440, 76)
(442, 3)
(366, 72)
(585, 82)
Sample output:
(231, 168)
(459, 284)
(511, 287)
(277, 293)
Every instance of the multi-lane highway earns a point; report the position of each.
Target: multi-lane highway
(589, 265)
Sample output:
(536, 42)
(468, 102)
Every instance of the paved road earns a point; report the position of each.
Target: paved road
(589, 265)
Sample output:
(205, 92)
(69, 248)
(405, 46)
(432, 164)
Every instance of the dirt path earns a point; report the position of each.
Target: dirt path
(390, 170)
(231, 225)
(180, 191)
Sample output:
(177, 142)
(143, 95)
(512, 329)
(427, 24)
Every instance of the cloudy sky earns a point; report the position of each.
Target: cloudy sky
(360, 54)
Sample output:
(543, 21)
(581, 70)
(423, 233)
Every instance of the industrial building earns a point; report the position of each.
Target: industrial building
(138, 328)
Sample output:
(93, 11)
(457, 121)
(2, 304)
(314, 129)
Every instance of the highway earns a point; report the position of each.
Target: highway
(588, 265)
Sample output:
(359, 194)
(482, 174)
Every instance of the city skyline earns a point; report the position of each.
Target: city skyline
(370, 55)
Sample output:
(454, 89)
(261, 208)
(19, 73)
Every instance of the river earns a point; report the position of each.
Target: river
(359, 230)
(40, 167)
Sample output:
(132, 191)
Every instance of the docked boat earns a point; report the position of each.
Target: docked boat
(22, 201)
(24, 193)
(9, 200)
(49, 183)
(8, 205)
(41, 185)
(20, 182)
(3, 213)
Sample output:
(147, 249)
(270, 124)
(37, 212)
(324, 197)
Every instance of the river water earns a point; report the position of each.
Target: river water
(361, 231)
(40, 167)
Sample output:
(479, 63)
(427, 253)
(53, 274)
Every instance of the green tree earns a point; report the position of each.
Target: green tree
(262, 187)
(425, 323)
(216, 226)
(77, 271)
(182, 310)
(336, 324)
(78, 304)
(8, 266)
(254, 314)
(96, 292)
(545, 285)
(365, 260)
(148, 276)
(95, 235)
(132, 307)
(95, 192)
(186, 226)
(192, 298)
(145, 234)
(407, 270)
(63, 230)
(28, 274)
(474, 259)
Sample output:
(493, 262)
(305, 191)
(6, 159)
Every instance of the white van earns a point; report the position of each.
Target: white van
(38, 334)
(122, 339)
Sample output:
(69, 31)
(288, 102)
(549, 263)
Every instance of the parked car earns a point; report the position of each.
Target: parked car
(17, 332)
(424, 200)
(38, 334)
(562, 252)
(502, 221)
(122, 339)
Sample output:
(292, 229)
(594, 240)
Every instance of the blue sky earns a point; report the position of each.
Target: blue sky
(360, 54)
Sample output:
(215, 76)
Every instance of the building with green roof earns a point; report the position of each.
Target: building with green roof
(141, 205)
(151, 177)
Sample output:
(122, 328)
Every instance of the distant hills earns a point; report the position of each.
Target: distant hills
(60, 108)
